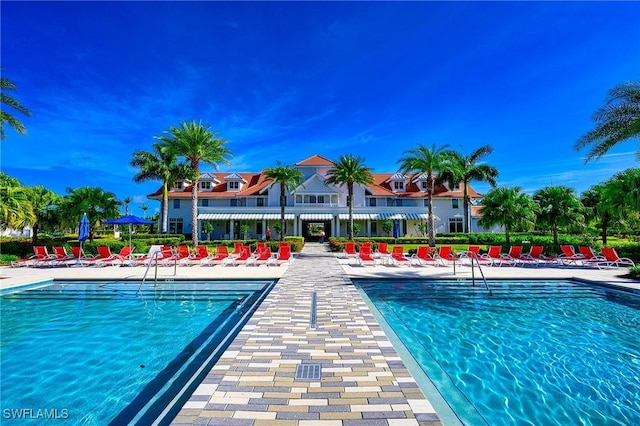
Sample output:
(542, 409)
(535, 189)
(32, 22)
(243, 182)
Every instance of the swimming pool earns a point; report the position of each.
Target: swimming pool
(98, 352)
(534, 353)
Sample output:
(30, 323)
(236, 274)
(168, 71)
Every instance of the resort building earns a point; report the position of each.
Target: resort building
(239, 203)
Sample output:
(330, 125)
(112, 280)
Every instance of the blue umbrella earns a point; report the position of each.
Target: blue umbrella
(129, 220)
(83, 232)
(396, 229)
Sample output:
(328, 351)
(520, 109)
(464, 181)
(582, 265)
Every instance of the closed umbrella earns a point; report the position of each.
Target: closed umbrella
(129, 220)
(83, 232)
(396, 229)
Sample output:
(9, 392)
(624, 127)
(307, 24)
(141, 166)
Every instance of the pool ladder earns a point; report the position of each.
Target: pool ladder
(473, 278)
(155, 277)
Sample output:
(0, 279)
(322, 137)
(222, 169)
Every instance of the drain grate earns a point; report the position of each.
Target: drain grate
(308, 372)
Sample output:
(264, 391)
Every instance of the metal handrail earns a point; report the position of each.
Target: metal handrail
(473, 280)
(154, 256)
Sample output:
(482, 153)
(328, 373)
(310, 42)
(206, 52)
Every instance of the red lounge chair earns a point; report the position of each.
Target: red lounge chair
(382, 249)
(259, 247)
(569, 256)
(40, 255)
(350, 250)
(364, 256)
(222, 253)
(445, 255)
(243, 258)
(495, 255)
(264, 258)
(397, 256)
(284, 255)
(200, 256)
(612, 259)
(237, 249)
(423, 257)
(535, 256)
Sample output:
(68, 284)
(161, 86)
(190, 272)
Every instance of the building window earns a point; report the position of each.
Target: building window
(260, 202)
(455, 203)
(456, 187)
(373, 202)
(234, 185)
(233, 202)
(175, 225)
(178, 185)
(424, 185)
(398, 185)
(320, 199)
(455, 224)
(176, 204)
(374, 227)
(204, 202)
(398, 203)
(312, 199)
(205, 185)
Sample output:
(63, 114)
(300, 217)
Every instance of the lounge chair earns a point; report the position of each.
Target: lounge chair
(222, 253)
(264, 258)
(398, 258)
(382, 250)
(364, 256)
(283, 255)
(423, 257)
(613, 260)
(495, 254)
(350, 250)
(237, 249)
(237, 260)
(200, 256)
(569, 256)
(259, 247)
(445, 255)
(537, 257)
(514, 256)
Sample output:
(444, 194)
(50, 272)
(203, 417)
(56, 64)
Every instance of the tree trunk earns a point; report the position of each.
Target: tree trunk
(350, 192)
(555, 234)
(506, 233)
(432, 233)
(283, 201)
(165, 207)
(34, 229)
(194, 213)
(605, 226)
(466, 204)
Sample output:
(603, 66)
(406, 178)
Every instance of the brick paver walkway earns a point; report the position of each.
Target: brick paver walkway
(363, 381)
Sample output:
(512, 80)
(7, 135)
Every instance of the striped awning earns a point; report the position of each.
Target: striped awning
(316, 216)
(402, 216)
(276, 216)
(356, 216)
(214, 216)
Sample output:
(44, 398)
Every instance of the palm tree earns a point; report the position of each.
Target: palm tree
(126, 201)
(616, 122)
(144, 209)
(510, 208)
(163, 166)
(430, 161)
(465, 169)
(558, 207)
(196, 143)
(44, 203)
(288, 178)
(5, 117)
(349, 170)
(16, 211)
(99, 205)
(598, 209)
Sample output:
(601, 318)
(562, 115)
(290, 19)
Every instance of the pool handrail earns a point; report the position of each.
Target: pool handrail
(473, 256)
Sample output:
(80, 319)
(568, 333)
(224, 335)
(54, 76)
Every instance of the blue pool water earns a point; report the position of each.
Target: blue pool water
(96, 353)
(533, 353)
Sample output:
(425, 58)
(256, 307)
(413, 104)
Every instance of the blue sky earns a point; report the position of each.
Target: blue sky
(286, 80)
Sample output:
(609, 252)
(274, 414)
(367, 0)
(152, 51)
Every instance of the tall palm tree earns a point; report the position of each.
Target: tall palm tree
(510, 208)
(126, 201)
(163, 166)
(558, 207)
(616, 122)
(430, 161)
(144, 209)
(98, 204)
(5, 117)
(349, 170)
(197, 143)
(16, 211)
(44, 202)
(465, 169)
(288, 178)
(598, 209)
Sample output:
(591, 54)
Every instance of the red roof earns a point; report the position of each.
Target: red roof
(315, 160)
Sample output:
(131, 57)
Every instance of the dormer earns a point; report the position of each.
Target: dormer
(398, 182)
(235, 182)
(207, 182)
(180, 185)
(421, 182)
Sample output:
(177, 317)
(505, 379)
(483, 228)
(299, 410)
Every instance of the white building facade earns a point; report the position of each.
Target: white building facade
(240, 205)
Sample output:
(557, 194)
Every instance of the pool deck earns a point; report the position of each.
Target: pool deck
(363, 379)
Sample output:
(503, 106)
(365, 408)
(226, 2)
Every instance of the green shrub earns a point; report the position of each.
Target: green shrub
(6, 259)
(634, 271)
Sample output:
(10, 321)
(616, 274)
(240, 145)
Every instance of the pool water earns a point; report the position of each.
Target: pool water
(96, 353)
(533, 353)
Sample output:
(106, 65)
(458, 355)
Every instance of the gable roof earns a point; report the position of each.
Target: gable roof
(315, 160)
